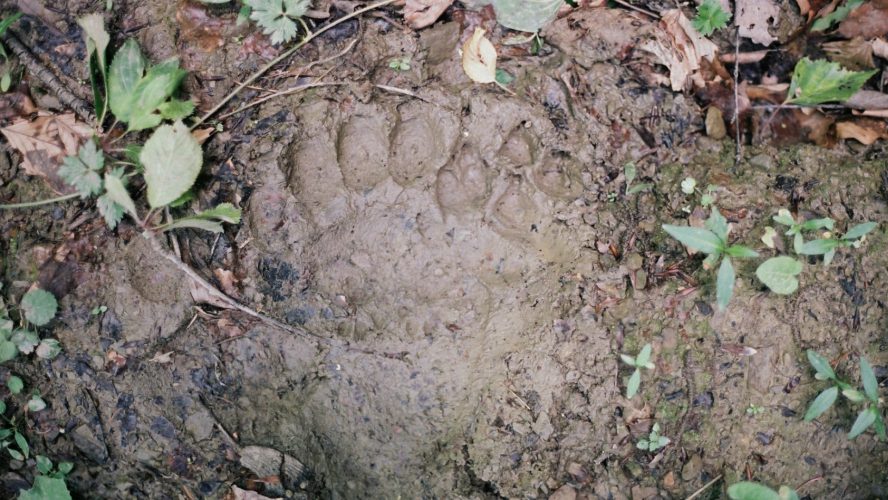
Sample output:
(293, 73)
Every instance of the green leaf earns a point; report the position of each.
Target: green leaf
(48, 349)
(854, 395)
(127, 69)
(503, 77)
(9, 21)
(629, 171)
(644, 186)
(688, 185)
(661, 442)
(119, 200)
(629, 360)
(65, 468)
(633, 384)
(836, 16)
(526, 15)
(39, 306)
(696, 238)
(4, 433)
(644, 356)
(717, 224)
(44, 464)
(5, 81)
(828, 257)
(642, 444)
(787, 493)
(25, 340)
(784, 217)
(15, 384)
(276, 17)
(22, 444)
(868, 377)
(710, 17)
(175, 109)
(36, 403)
(46, 488)
(8, 351)
(879, 425)
(864, 420)
(817, 82)
(779, 274)
(81, 171)
(747, 490)
(818, 247)
(15, 454)
(815, 224)
(152, 91)
(172, 159)
(822, 403)
(110, 211)
(225, 212)
(821, 365)
(741, 252)
(97, 40)
(859, 230)
(724, 283)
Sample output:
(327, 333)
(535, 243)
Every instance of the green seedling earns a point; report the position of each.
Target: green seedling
(400, 64)
(818, 82)
(37, 308)
(869, 397)
(643, 360)
(707, 196)
(99, 310)
(754, 410)
(278, 18)
(712, 240)
(654, 440)
(50, 483)
(630, 172)
(6, 76)
(710, 17)
(748, 490)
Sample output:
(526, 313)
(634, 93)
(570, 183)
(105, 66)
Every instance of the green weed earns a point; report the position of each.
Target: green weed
(643, 360)
(748, 490)
(654, 441)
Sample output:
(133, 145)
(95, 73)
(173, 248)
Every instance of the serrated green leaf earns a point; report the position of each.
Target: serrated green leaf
(633, 384)
(109, 210)
(225, 212)
(818, 82)
(22, 444)
(75, 173)
(126, 71)
(724, 283)
(859, 230)
(836, 16)
(747, 490)
(39, 306)
(863, 421)
(821, 365)
(821, 403)
(779, 274)
(119, 197)
(46, 488)
(717, 224)
(644, 356)
(276, 17)
(91, 156)
(526, 15)
(868, 377)
(172, 159)
(710, 17)
(15, 384)
(818, 247)
(696, 238)
(152, 91)
(175, 109)
(741, 252)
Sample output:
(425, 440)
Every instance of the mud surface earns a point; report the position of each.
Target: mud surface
(478, 266)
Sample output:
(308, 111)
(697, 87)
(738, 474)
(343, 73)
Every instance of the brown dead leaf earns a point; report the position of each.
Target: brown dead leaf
(855, 54)
(162, 358)
(864, 130)
(754, 17)
(422, 13)
(202, 134)
(15, 104)
(679, 47)
(197, 27)
(870, 20)
(868, 100)
(44, 142)
(227, 281)
(115, 362)
(240, 494)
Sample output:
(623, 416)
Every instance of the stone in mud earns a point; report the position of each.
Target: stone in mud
(90, 443)
(200, 425)
(266, 462)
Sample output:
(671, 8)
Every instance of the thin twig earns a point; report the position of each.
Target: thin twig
(48, 78)
(30, 204)
(704, 488)
(738, 146)
(287, 53)
(291, 90)
(637, 9)
(399, 90)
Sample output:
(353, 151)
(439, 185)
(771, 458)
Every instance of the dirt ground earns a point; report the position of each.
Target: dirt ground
(473, 266)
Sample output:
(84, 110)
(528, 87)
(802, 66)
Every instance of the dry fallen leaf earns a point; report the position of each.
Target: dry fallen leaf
(754, 17)
(870, 20)
(856, 54)
(680, 48)
(479, 58)
(44, 142)
(162, 358)
(868, 100)
(240, 494)
(227, 281)
(865, 130)
(421, 13)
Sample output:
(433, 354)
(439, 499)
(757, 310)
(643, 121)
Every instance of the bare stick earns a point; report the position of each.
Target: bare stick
(291, 90)
(31, 204)
(704, 488)
(738, 146)
(287, 53)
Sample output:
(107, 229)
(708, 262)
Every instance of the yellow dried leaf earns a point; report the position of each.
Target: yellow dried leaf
(479, 58)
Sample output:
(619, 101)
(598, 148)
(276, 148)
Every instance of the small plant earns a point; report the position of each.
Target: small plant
(50, 483)
(707, 196)
(630, 172)
(6, 77)
(868, 416)
(278, 17)
(654, 440)
(748, 490)
(710, 17)
(643, 360)
(712, 240)
(754, 409)
(818, 82)
(37, 308)
(400, 64)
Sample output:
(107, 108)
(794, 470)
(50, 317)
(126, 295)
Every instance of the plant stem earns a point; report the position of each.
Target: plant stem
(287, 53)
(38, 203)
